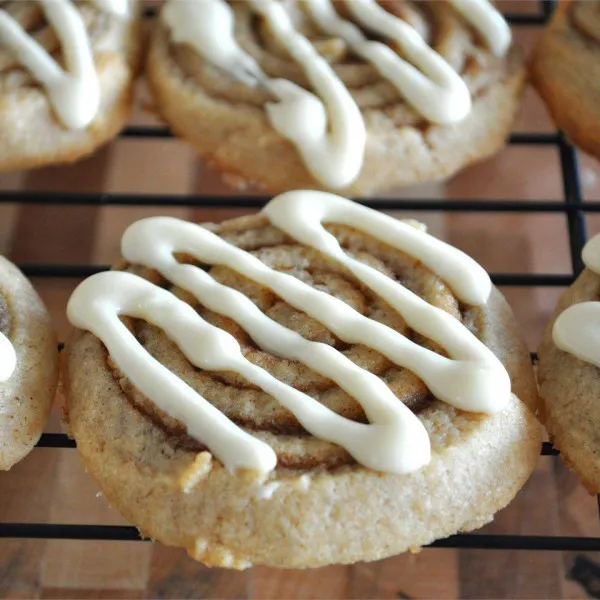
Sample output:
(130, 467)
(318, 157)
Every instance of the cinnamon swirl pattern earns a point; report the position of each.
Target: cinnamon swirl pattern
(564, 66)
(568, 371)
(28, 366)
(317, 348)
(336, 95)
(66, 75)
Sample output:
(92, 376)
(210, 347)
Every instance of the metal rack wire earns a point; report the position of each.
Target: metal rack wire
(573, 207)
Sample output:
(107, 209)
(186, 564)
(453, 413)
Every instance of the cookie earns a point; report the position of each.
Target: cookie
(274, 391)
(66, 78)
(356, 96)
(28, 365)
(565, 69)
(569, 358)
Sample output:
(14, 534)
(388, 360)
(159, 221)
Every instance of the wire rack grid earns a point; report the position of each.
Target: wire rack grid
(573, 207)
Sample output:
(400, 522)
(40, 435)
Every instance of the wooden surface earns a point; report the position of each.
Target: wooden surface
(50, 485)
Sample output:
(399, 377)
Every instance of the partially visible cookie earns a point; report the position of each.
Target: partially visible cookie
(67, 73)
(28, 365)
(352, 96)
(565, 68)
(569, 373)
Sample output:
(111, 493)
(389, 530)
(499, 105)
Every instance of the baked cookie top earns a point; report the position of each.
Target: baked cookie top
(418, 63)
(319, 332)
(60, 46)
(318, 383)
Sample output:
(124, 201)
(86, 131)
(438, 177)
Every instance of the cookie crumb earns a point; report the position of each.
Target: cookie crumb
(196, 472)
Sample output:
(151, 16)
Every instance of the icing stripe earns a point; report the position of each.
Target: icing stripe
(335, 157)
(434, 89)
(96, 306)
(120, 8)
(490, 24)
(395, 440)
(8, 358)
(577, 329)
(301, 213)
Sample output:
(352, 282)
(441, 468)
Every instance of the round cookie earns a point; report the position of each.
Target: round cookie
(565, 69)
(569, 360)
(294, 477)
(28, 386)
(48, 117)
(400, 134)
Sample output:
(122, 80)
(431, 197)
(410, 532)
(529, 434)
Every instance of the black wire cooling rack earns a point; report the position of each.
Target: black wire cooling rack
(572, 207)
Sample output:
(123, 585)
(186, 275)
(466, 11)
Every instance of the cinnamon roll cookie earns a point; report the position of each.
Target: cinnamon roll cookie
(28, 365)
(316, 384)
(569, 372)
(66, 77)
(354, 95)
(565, 69)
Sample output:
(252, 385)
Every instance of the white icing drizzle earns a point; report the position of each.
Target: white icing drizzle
(207, 27)
(333, 152)
(74, 92)
(490, 24)
(434, 89)
(394, 440)
(330, 136)
(96, 306)
(8, 358)
(577, 329)
(120, 8)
